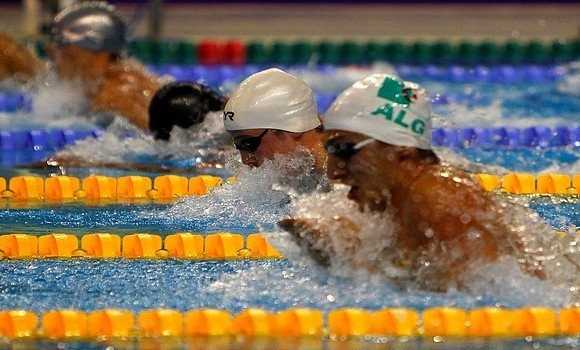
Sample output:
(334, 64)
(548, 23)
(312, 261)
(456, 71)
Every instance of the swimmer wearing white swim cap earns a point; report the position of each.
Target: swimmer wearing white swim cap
(378, 142)
(271, 113)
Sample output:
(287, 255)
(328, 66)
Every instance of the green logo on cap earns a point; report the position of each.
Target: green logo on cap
(393, 90)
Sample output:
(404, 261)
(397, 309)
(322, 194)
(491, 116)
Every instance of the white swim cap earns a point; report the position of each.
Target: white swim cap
(385, 108)
(272, 99)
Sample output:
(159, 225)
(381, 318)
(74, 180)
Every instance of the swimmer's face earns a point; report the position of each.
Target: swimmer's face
(75, 63)
(364, 169)
(258, 145)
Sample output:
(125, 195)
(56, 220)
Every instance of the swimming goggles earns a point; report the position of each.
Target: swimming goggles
(249, 143)
(345, 150)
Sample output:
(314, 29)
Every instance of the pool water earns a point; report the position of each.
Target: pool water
(41, 285)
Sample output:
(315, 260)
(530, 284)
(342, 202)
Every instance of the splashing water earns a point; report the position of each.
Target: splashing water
(122, 142)
(259, 197)
(344, 284)
(337, 79)
(55, 104)
(571, 82)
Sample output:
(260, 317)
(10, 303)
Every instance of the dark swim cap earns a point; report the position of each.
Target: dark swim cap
(92, 25)
(183, 104)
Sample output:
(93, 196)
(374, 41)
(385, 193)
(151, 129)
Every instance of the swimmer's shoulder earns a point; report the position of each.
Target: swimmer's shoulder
(128, 78)
(130, 71)
(449, 189)
(16, 60)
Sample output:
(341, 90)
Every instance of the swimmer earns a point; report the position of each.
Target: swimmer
(274, 113)
(182, 104)
(88, 41)
(378, 143)
(176, 104)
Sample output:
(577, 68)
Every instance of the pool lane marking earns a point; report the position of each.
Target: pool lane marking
(30, 191)
(338, 324)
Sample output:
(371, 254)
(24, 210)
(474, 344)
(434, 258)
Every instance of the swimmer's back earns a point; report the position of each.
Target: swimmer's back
(127, 90)
(448, 221)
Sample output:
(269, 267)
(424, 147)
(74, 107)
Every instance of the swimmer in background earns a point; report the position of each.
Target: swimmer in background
(87, 45)
(177, 104)
(379, 144)
(274, 113)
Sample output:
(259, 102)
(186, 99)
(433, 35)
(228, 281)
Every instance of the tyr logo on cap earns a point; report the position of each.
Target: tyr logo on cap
(229, 115)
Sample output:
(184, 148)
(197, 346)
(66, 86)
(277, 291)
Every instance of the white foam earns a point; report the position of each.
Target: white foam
(259, 197)
(340, 78)
(55, 104)
(570, 83)
(458, 115)
(122, 142)
(457, 160)
(502, 280)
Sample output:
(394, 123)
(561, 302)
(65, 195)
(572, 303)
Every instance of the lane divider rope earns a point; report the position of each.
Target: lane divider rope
(496, 137)
(181, 245)
(142, 189)
(338, 324)
(530, 184)
(43, 139)
(106, 188)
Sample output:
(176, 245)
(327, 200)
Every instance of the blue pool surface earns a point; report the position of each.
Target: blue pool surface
(137, 285)
(478, 97)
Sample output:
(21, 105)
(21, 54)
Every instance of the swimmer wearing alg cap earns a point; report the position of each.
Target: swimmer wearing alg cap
(378, 142)
(273, 113)
(88, 42)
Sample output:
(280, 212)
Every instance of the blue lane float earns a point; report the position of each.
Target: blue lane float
(498, 137)
(39, 139)
(221, 74)
(496, 74)
(11, 102)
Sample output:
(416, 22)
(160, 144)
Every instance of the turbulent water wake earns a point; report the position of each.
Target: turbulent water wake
(123, 142)
(348, 282)
(259, 197)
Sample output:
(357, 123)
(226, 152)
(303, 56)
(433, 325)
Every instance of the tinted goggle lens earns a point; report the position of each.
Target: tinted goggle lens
(341, 149)
(249, 143)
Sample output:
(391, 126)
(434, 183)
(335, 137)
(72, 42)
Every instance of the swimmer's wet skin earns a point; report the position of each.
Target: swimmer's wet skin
(273, 113)
(378, 142)
(88, 43)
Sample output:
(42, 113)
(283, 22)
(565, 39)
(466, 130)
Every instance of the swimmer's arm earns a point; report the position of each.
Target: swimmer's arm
(16, 61)
(315, 237)
(303, 231)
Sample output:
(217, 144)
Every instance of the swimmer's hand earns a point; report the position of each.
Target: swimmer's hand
(306, 233)
(319, 237)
